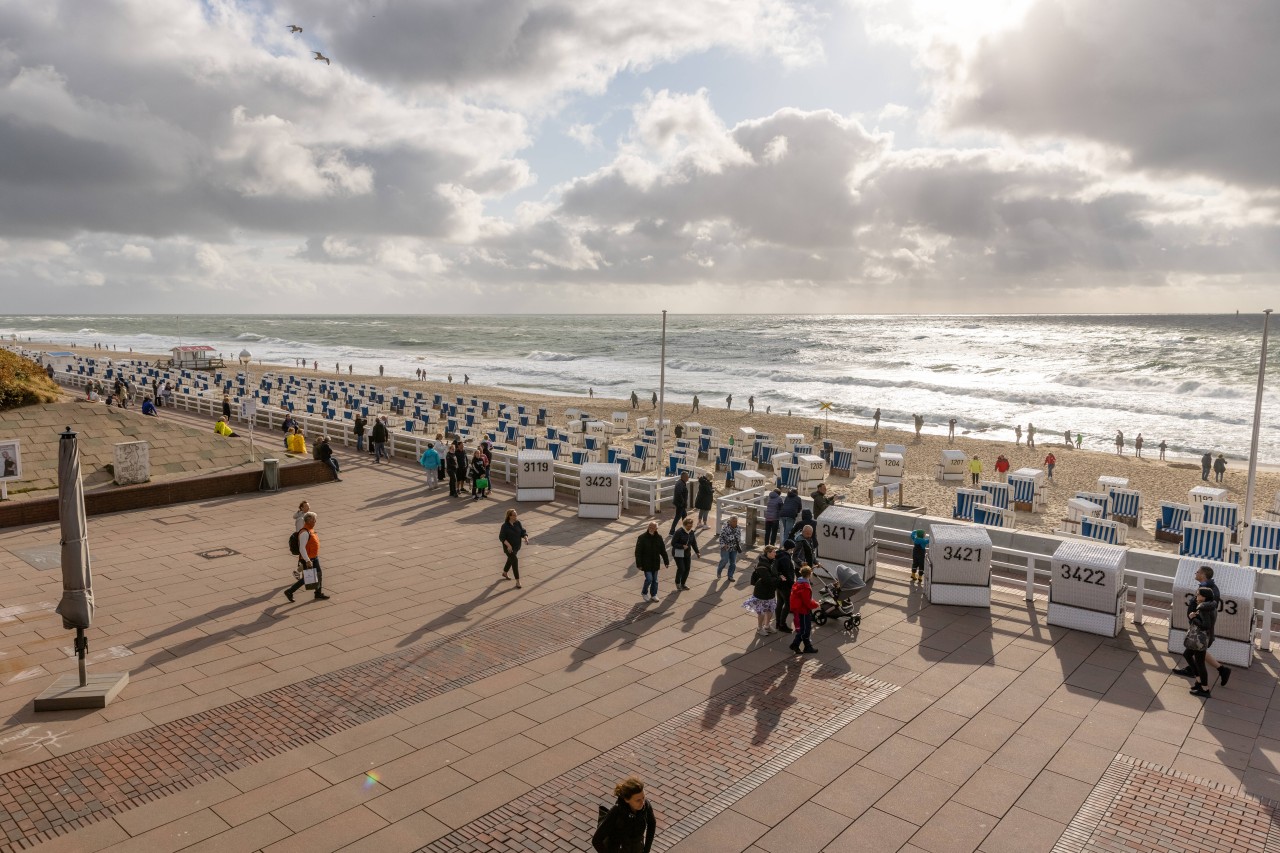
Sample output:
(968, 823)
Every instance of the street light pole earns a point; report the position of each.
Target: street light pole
(251, 406)
(1257, 423)
(662, 392)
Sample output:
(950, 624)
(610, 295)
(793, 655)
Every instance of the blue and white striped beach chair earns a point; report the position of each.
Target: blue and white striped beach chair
(1260, 559)
(842, 461)
(1172, 517)
(990, 516)
(788, 476)
(1126, 506)
(997, 494)
(1222, 514)
(966, 500)
(1264, 535)
(1024, 489)
(1101, 500)
(1203, 541)
(1102, 530)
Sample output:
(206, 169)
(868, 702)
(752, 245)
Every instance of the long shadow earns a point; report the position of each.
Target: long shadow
(209, 616)
(639, 614)
(776, 700)
(457, 613)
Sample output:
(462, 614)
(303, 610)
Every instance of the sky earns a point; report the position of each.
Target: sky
(598, 156)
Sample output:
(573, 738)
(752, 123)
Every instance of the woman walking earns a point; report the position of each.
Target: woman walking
(702, 503)
(1203, 615)
(684, 544)
(629, 826)
(479, 476)
(512, 536)
(764, 587)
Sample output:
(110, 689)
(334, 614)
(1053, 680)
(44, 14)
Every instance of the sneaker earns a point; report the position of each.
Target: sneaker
(1186, 670)
(320, 596)
(768, 629)
(760, 632)
(794, 648)
(810, 651)
(1224, 673)
(288, 595)
(1199, 691)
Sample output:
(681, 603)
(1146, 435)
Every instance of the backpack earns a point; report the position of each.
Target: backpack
(294, 547)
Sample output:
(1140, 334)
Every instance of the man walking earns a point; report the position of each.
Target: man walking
(807, 547)
(1206, 462)
(786, 568)
(309, 548)
(728, 402)
(730, 547)
(651, 555)
(1031, 435)
(681, 501)
(655, 399)
(635, 400)
(359, 426)
(695, 404)
(751, 404)
(430, 461)
(951, 430)
(820, 500)
(379, 438)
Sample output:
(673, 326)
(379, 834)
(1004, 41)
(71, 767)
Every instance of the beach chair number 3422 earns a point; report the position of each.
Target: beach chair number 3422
(1093, 576)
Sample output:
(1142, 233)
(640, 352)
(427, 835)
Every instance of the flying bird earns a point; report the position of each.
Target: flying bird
(320, 56)
(294, 28)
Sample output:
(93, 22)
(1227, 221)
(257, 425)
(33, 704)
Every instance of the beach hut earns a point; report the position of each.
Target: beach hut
(1222, 514)
(966, 500)
(1126, 506)
(1234, 630)
(954, 465)
(865, 455)
(599, 490)
(997, 494)
(847, 536)
(889, 467)
(1103, 530)
(1169, 524)
(959, 568)
(1203, 541)
(1086, 588)
(788, 476)
(194, 358)
(1263, 535)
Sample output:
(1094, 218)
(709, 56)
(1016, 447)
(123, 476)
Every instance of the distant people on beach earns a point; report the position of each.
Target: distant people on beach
(1119, 443)
(1219, 468)
(1162, 448)
(1049, 462)
(875, 426)
(951, 430)
(1031, 435)
(1017, 435)
(1066, 438)
(1079, 440)
(591, 392)
(1002, 466)
(635, 400)
(655, 399)
(466, 379)
(450, 378)
(919, 420)
(975, 470)
(1206, 462)
(728, 402)
(381, 370)
(695, 404)
(751, 404)
(1137, 446)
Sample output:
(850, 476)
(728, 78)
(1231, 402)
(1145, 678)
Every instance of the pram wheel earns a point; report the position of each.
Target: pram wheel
(819, 618)
(852, 622)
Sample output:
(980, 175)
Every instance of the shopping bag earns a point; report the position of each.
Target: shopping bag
(309, 579)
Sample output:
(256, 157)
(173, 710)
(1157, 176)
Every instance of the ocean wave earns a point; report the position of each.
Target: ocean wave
(249, 336)
(410, 342)
(547, 355)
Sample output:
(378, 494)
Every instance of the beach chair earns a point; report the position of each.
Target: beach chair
(842, 461)
(1222, 514)
(1263, 535)
(1126, 506)
(1103, 530)
(992, 516)
(788, 476)
(966, 500)
(1203, 541)
(997, 494)
(1098, 498)
(1025, 495)
(1172, 517)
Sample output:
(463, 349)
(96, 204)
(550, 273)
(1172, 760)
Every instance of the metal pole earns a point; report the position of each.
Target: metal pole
(82, 648)
(662, 392)
(1257, 423)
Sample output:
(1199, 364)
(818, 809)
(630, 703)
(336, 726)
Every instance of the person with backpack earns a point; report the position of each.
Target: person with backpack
(358, 428)
(512, 535)
(629, 826)
(308, 545)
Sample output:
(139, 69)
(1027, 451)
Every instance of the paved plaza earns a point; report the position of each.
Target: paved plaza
(429, 705)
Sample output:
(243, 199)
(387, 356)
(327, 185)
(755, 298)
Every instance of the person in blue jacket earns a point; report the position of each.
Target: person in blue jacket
(919, 542)
(430, 460)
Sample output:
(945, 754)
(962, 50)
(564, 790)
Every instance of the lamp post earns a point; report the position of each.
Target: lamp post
(1257, 423)
(662, 392)
(251, 406)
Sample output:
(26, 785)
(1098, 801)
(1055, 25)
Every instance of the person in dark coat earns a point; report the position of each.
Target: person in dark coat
(461, 462)
(479, 476)
(451, 468)
(512, 536)
(651, 555)
(684, 544)
(379, 439)
(786, 569)
(1202, 613)
(789, 512)
(680, 499)
(629, 826)
(764, 589)
(1206, 462)
(325, 454)
(358, 429)
(704, 500)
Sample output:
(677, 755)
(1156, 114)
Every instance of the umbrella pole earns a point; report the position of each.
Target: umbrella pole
(82, 649)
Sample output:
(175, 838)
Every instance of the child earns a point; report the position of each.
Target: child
(802, 607)
(919, 542)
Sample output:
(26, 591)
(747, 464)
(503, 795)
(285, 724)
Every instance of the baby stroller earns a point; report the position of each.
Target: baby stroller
(836, 598)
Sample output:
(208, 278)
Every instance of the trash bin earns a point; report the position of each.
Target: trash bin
(270, 475)
(753, 524)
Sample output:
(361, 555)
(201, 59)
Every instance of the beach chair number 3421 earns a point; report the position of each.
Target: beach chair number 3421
(1093, 576)
(966, 555)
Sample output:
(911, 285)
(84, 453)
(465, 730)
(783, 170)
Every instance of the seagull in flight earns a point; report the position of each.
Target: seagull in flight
(321, 57)
(294, 28)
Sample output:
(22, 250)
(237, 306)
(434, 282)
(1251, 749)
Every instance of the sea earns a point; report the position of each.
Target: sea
(1189, 380)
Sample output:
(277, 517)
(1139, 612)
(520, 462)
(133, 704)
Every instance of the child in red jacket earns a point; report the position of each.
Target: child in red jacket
(802, 607)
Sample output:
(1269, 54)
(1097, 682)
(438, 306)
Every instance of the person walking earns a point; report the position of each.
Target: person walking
(951, 430)
(1206, 462)
(1137, 446)
(629, 827)
(226, 406)
(684, 544)
(651, 555)
(460, 463)
(728, 402)
(789, 512)
(806, 547)
(802, 607)
(751, 404)
(451, 469)
(512, 535)
(635, 400)
(975, 470)
(1079, 440)
(1202, 614)
(704, 499)
(430, 462)
(358, 428)
(1017, 435)
(1119, 443)
(730, 547)
(786, 568)
(680, 501)
(655, 399)
(1162, 447)
(1002, 466)
(919, 419)
(1219, 468)
(1031, 435)
(308, 557)
(771, 506)
(379, 438)
(1204, 577)
(695, 404)
(764, 580)
(1049, 462)
(1066, 438)
(875, 426)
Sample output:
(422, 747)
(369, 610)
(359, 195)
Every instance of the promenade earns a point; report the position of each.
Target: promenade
(430, 705)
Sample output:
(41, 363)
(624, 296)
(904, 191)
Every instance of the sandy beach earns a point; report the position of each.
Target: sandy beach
(1076, 470)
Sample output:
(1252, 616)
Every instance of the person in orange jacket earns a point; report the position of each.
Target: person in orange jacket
(1049, 462)
(802, 607)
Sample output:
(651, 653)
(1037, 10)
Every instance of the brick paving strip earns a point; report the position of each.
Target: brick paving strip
(695, 765)
(1140, 807)
(69, 792)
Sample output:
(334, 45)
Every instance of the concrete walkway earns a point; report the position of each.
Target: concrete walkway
(431, 705)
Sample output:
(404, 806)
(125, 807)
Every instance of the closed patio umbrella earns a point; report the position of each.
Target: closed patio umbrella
(76, 606)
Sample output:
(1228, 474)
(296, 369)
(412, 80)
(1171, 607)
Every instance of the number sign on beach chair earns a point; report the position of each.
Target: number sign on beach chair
(1205, 541)
(1126, 506)
(1103, 530)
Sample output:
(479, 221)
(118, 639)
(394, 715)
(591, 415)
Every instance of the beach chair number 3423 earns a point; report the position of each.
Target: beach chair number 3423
(602, 482)
(1093, 576)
